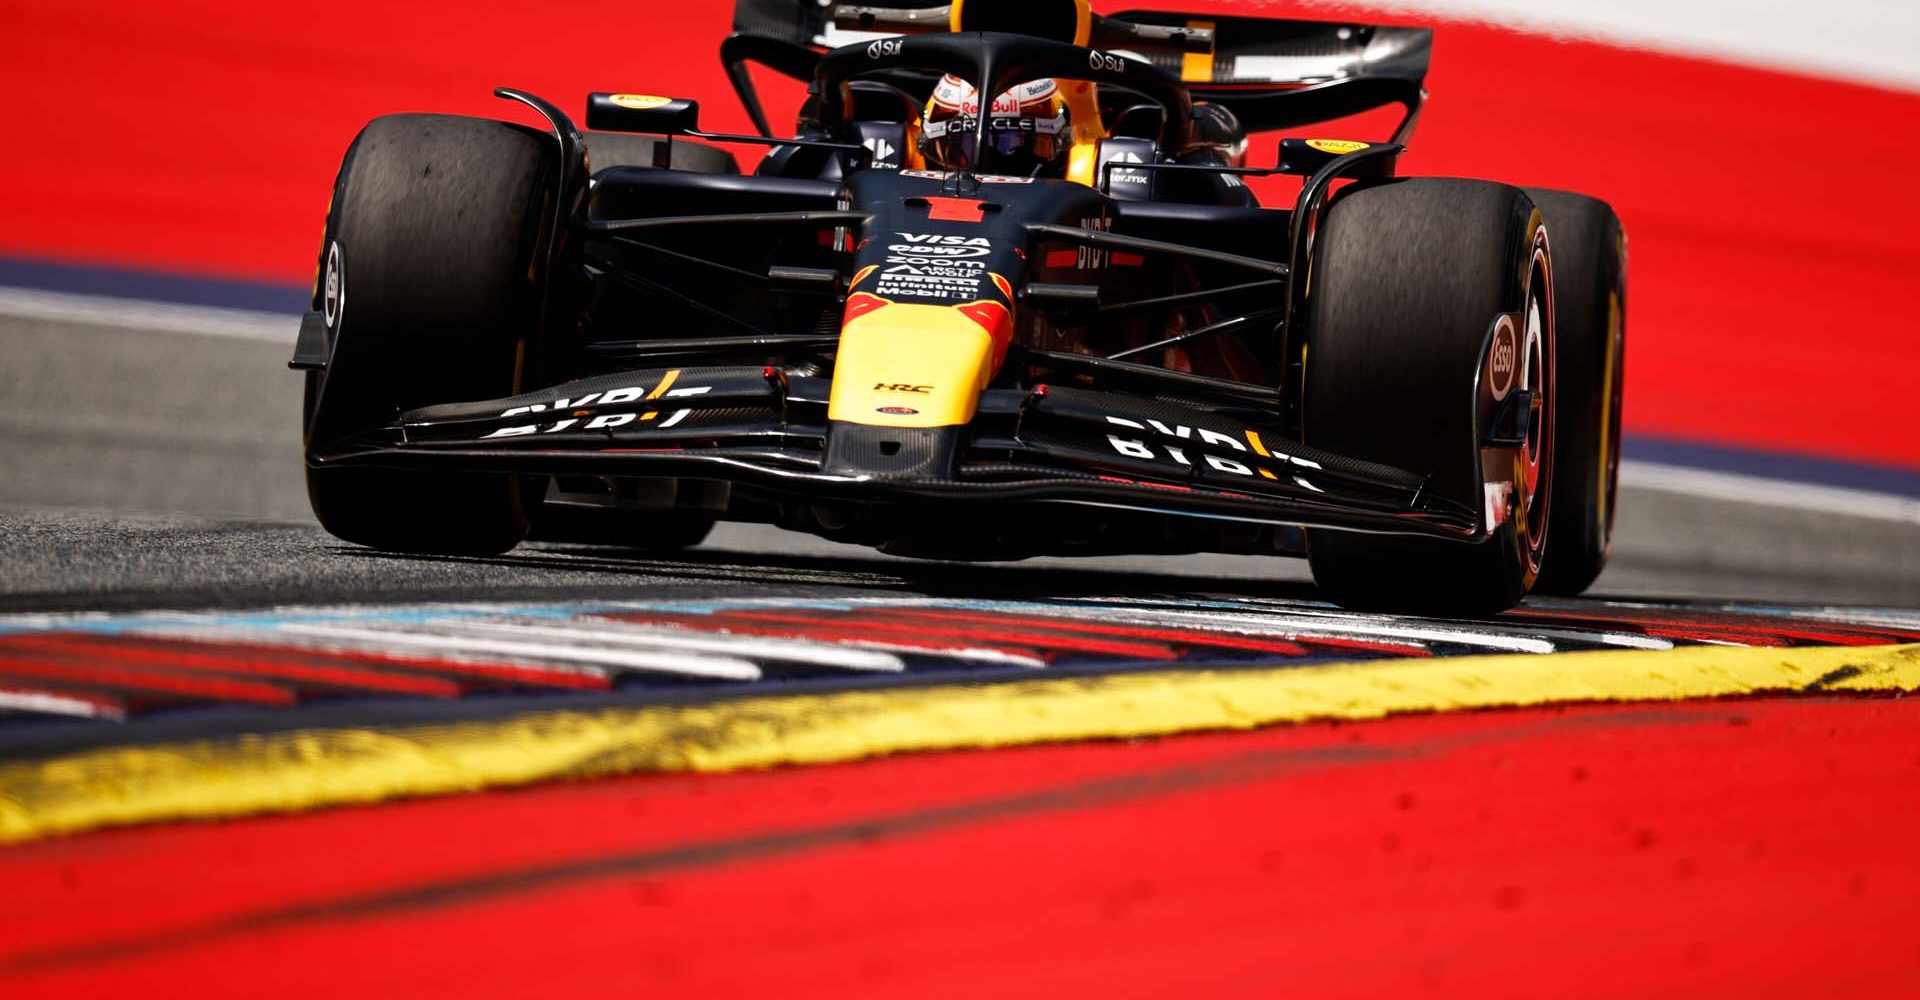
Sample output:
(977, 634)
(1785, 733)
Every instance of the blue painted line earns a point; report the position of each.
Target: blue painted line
(153, 286)
(1772, 465)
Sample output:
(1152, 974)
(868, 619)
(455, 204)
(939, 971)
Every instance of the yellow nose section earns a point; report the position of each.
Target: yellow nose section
(910, 365)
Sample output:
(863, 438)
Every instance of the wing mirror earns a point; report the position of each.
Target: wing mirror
(1307, 156)
(643, 113)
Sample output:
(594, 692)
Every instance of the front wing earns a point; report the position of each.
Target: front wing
(757, 427)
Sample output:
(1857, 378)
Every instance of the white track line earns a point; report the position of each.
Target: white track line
(1284, 624)
(1869, 617)
(52, 704)
(625, 634)
(1142, 616)
(255, 635)
(142, 314)
(1576, 633)
(722, 667)
(969, 653)
(1769, 492)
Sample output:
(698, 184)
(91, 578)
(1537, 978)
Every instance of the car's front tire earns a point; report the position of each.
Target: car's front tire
(1408, 279)
(430, 288)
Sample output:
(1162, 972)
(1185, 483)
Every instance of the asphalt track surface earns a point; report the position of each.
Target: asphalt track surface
(151, 469)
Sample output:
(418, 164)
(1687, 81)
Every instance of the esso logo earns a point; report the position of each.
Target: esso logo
(884, 47)
(1102, 62)
(1503, 359)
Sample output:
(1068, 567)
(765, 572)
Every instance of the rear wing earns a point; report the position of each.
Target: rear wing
(795, 22)
(1276, 73)
(786, 36)
(1272, 73)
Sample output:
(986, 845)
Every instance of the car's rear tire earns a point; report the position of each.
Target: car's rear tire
(1590, 303)
(433, 297)
(1408, 279)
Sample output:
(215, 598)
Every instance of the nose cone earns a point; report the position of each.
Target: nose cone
(910, 364)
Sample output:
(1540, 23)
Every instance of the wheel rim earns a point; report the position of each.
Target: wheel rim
(1532, 368)
(1533, 460)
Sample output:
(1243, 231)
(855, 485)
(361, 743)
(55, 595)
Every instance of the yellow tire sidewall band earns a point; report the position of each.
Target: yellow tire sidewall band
(220, 778)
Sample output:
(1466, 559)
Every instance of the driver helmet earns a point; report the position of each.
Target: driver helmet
(1028, 127)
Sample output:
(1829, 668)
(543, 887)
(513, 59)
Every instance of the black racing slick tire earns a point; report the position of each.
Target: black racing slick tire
(615, 149)
(1408, 281)
(432, 296)
(1590, 310)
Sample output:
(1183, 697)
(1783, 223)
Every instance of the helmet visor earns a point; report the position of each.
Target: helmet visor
(1017, 144)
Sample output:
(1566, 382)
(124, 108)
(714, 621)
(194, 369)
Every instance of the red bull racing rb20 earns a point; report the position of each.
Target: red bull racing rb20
(1003, 291)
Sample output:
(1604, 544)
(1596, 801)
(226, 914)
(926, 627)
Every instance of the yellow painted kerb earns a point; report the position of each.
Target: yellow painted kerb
(297, 771)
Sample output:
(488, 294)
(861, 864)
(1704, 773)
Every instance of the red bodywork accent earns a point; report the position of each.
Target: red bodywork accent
(955, 209)
(998, 321)
(861, 303)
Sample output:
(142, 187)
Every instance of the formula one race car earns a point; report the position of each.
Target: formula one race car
(1005, 292)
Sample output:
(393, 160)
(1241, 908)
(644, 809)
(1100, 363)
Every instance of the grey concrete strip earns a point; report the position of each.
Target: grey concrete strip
(127, 420)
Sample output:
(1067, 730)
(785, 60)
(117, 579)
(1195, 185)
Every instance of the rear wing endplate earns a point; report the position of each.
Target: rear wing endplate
(1276, 74)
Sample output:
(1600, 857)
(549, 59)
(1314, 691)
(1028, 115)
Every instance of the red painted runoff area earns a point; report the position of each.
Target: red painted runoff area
(1726, 849)
(1770, 215)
